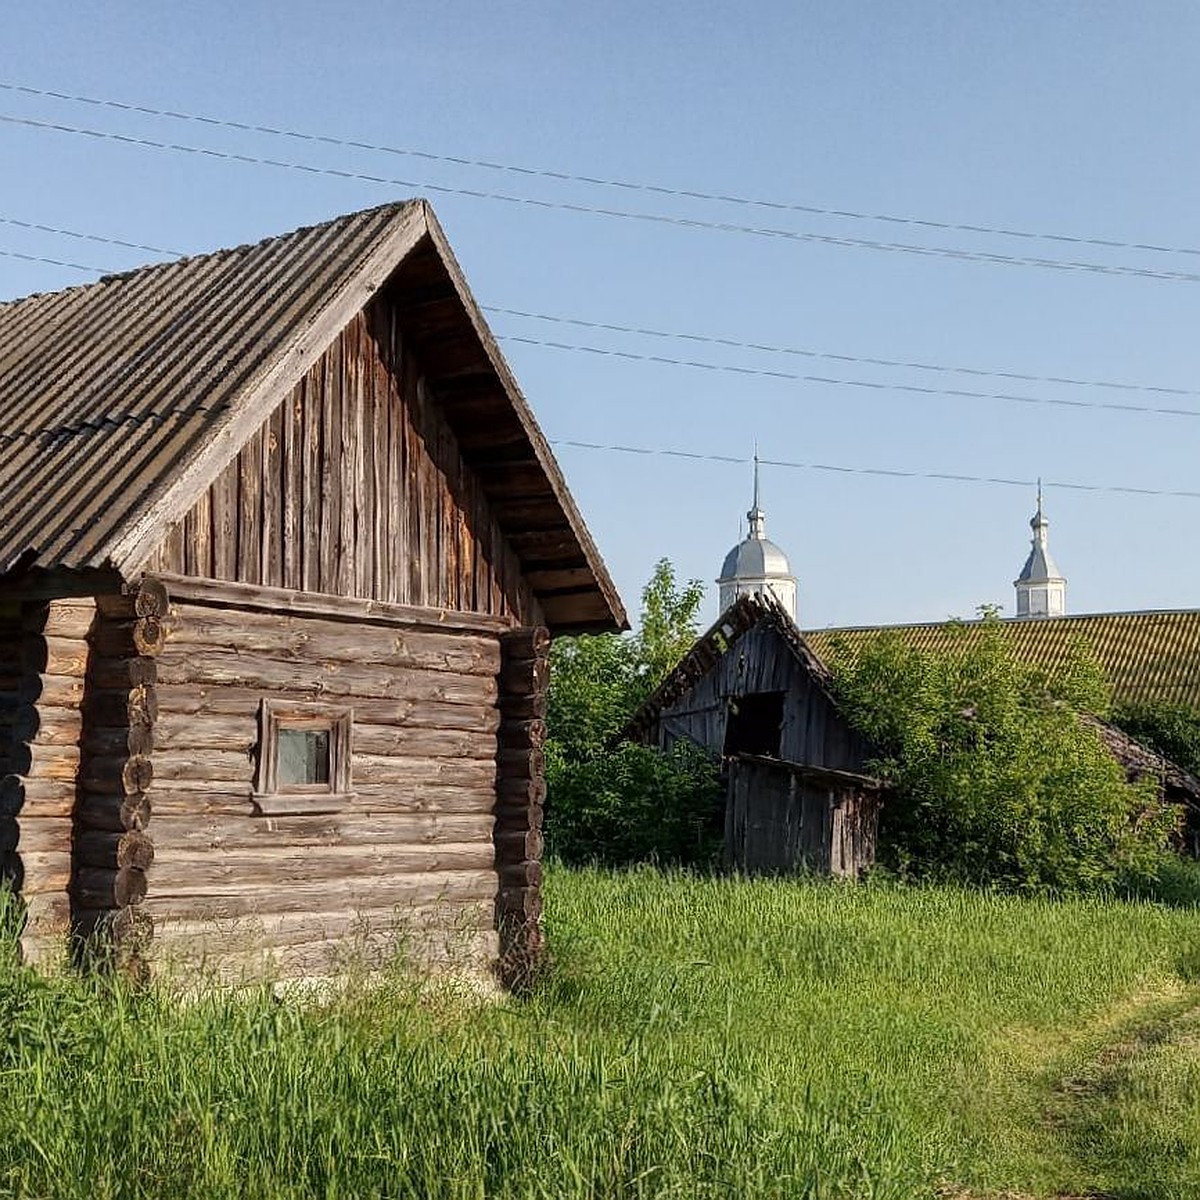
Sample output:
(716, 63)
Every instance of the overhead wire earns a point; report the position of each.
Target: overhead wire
(593, 180)
(695, 364)
(841, 469)
(859, 359)
(837, 468)
(862, 384)
(939, 252)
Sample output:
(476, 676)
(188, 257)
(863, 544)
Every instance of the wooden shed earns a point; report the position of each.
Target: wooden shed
(281, 552)
(751, 693)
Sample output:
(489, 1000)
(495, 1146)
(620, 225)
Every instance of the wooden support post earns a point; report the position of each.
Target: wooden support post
(520, 792)
(112, 853)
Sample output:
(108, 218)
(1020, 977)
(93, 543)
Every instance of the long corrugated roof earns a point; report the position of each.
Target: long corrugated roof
(1145, 655)
(122, 399)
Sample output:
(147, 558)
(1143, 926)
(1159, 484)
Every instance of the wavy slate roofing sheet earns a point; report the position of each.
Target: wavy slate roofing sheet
(1146, 655)
(105, 388)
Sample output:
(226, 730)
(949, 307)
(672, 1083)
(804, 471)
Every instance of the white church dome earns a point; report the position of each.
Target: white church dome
(757, 566)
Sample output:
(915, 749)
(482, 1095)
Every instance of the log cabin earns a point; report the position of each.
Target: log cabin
(753, 695)
(282, 548)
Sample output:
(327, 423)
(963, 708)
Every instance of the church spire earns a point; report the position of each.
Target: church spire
(756, 565)
(756, 517)
(1041, 589)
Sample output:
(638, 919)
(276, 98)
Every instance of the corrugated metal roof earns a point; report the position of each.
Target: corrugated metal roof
(106, 388)
(1145, 655)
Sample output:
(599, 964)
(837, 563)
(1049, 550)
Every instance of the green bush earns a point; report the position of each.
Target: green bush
(996, 780)
(624, 804)
(636, 804)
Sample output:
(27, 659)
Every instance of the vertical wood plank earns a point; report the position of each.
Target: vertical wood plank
(250, 518)
(292, 453)
(375, 421)
(312, 516)
(347, 550)
(331, 469)
(225, 525)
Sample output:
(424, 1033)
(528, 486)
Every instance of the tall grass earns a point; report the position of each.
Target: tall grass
(694, 1037)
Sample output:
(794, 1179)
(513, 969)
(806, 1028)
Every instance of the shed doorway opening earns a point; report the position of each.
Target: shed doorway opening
(755, 724)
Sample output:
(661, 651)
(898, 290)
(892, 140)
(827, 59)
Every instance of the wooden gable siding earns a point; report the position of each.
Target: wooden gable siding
(355, 486)
(813, 731)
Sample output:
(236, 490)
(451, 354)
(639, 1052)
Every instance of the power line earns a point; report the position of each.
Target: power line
(863, 360)
(790, 376)
(53, 262)
(87, 237)
(863, 384)
(941, 476)
(940, 252)
(677, 335)
(594, 180)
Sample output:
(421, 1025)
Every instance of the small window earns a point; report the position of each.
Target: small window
(754, 724)
(304, 757)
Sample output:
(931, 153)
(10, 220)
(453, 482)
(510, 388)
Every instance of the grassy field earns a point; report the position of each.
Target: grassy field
(694, 1038)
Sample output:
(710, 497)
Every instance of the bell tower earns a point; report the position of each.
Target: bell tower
(1041, 590)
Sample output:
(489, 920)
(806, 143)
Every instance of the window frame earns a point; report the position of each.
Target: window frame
(274, 798)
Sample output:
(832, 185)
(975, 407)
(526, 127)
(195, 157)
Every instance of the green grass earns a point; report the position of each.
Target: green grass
(694, 1037)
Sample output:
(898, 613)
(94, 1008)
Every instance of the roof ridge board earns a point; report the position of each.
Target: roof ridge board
(400, 230)
(183, 441)
(543, 454)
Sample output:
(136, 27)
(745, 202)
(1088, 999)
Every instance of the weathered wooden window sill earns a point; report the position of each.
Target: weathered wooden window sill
(300, 804)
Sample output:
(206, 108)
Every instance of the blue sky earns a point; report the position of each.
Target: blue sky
(1076, 118)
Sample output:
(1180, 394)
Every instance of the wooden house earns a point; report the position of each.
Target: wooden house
(751, 693)
(281, 551)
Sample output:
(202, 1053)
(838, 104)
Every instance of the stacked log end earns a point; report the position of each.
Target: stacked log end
(112, 851)
(43, 661)
(520, 797)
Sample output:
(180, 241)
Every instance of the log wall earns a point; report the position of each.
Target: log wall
(406, 863)
(355, 486)
(43, 660)
(111, 848)
(520, 796)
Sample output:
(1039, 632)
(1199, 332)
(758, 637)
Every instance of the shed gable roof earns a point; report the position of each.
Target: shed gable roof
(121, 401)
(745, 613)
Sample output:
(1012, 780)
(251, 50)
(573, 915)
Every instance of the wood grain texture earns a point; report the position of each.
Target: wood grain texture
(415, 825)
(355, 486)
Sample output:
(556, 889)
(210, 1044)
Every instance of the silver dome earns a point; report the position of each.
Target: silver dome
(755, 558)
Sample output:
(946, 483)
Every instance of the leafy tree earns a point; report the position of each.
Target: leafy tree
(627, 803)
(597, 682)
(997, 782)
